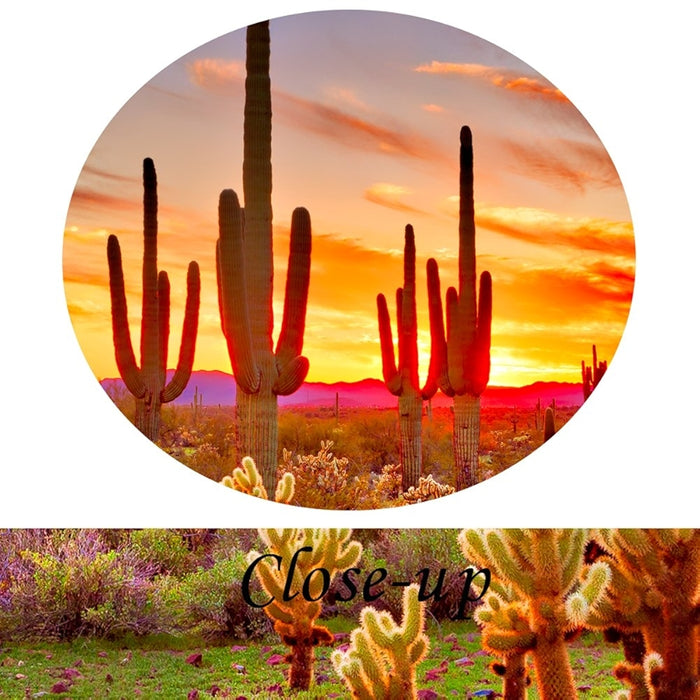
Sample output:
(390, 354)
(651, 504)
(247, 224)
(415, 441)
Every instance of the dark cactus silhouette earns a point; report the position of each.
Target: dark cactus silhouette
(549, 427)
(148, 382)
(402, 380)
(591, 376)
(245, 273)
(466, 351)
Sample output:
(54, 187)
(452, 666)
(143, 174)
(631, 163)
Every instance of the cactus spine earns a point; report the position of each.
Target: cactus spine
(148, 382)
(466, 353)
(402, 380)
(245, 273)
(592, 375)
(294, 616)
(537, 596)
(381, 661)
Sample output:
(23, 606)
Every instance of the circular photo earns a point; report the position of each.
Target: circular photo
(349, 260)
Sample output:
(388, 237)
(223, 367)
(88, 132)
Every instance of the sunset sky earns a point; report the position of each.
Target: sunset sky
(367, 109)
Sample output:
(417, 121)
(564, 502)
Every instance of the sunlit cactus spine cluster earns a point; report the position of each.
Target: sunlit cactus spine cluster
(295, 614)
(655, 590)
(147, 382)
(381, 662)
(540, 594)
(247, 479)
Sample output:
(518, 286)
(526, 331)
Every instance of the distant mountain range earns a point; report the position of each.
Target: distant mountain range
(219, 388)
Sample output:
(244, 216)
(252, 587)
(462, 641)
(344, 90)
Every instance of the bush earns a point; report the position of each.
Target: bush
(210, 602)
(70, 584)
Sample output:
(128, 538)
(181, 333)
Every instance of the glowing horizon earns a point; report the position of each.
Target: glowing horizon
(553, 226)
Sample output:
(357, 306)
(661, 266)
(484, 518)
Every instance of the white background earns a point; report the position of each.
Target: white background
(630, 456)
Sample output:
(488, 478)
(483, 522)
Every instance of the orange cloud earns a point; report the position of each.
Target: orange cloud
(565, 163)
(437, 109)
(505, 79)
(388, 195)
(546, 228)
(215, 74)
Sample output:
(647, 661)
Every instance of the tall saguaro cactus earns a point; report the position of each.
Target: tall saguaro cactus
(467, 348)
(402, 380)
(245, 274)
(148, 382)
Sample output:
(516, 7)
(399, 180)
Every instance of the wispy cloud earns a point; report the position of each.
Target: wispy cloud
(388, 195)
(342, 126)
(115, 177)
(565, 163)
(85, 198)
(510, 80)
(549, 229)
(354, 132)
(215, 74)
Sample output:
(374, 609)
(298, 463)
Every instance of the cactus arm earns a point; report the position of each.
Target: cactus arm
(291, 338)
(477, 360)
(437, 370)
(189, 337)
(392, 377)
(455, 364)
(232, 280)
(291, 376)
(163, 325)
(123, 349)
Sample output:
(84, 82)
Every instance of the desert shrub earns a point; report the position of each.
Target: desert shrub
(70, 584)
(403, 553)
(210, 602)
(167, 551)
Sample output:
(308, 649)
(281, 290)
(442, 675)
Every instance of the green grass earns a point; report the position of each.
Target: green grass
(157, 667)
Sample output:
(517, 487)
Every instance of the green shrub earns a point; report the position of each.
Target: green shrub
(210, 602)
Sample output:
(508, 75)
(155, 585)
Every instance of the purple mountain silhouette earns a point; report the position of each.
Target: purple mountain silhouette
(219, 388)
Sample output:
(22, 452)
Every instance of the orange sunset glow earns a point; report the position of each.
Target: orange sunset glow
(367, 110)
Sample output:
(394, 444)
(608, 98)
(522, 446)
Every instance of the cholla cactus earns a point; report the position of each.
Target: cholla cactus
(655, 588)
(295, 616)
(547, 597)
(382, 659)
(426, 490)
(248, 480)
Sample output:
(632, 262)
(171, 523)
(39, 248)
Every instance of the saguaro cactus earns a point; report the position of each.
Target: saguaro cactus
(402, 380)
(467, 350)
(147, 382)
(295, 584)
(590, 376)
(381, 661)
(245, 273)
(549, 597)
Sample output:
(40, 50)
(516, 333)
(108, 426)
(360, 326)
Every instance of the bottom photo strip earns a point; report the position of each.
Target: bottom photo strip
(341, 613)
